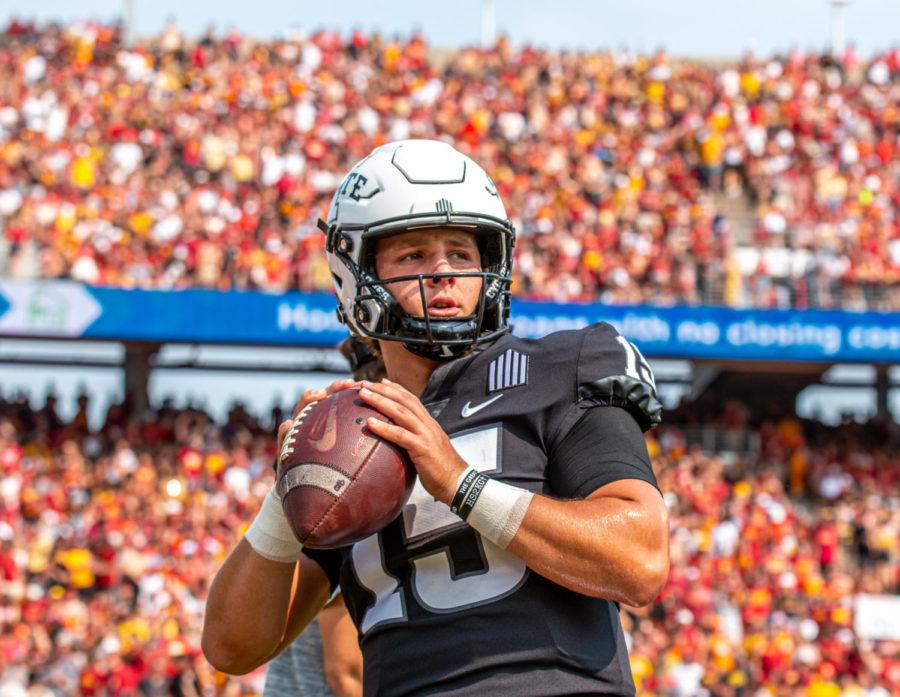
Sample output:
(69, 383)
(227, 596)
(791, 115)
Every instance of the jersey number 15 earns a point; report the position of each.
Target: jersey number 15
(433, 584)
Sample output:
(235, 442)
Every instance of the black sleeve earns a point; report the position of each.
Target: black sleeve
(330, 560)
(605, 445)
(613, 373)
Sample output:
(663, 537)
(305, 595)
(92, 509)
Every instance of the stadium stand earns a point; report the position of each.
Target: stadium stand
(108, 539)
(174, 163)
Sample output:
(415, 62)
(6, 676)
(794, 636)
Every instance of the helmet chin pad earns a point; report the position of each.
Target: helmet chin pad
(437, 353)
(441, 330)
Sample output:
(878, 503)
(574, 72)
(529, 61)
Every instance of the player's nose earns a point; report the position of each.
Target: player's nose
(442, 265)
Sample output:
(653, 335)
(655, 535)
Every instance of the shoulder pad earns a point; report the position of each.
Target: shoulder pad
(612, 372)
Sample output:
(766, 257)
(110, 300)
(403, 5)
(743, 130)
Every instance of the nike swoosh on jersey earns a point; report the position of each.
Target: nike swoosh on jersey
(329, 438)
(468, 409)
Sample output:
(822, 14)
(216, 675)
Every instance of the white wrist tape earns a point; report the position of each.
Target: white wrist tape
(498, 510)
(270, 534)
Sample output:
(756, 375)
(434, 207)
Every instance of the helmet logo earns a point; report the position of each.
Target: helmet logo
(354, 182)
(444, 206)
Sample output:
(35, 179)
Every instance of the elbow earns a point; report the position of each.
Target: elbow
(638, 584)
(653, 573)
(647, 587)
(229, 657)
(223, 658)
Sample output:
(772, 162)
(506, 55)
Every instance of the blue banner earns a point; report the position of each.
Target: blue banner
(68, 309)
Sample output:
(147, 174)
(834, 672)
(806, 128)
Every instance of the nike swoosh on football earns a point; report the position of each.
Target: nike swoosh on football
(468, 409)
(329, 438)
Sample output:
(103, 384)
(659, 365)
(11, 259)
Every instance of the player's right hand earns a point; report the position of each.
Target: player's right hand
(307, 398)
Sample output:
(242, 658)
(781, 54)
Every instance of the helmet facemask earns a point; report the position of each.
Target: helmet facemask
(435, 338)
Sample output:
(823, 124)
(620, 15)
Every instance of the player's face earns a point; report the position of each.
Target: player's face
(431, 252)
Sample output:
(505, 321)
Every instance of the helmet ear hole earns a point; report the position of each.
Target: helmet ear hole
(344, 244)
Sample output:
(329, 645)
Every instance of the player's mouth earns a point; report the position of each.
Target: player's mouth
(443, 307)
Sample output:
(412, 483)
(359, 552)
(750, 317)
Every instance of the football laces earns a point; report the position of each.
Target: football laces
(287, 447)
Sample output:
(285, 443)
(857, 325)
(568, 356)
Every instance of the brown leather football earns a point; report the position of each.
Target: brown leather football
(338, 481)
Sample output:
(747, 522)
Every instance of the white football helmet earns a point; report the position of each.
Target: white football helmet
(414, 184)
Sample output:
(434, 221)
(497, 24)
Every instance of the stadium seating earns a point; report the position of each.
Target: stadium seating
(632, 179)
(772, 182)
(109, 539)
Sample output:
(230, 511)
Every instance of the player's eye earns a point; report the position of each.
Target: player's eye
(465, 258)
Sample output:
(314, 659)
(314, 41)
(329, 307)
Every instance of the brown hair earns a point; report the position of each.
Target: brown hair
(364, 357)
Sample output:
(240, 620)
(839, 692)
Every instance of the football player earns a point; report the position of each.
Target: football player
(536, 510)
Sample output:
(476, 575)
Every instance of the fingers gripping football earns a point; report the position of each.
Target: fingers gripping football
(414, 429)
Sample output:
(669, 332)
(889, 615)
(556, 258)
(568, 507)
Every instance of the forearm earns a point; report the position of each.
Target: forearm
(603, 547)
(247, 610)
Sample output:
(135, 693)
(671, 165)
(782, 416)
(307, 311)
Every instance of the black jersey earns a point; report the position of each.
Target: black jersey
(442, 611)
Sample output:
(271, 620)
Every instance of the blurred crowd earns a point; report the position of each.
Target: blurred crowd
(178, 163)
(108, 543)
(109, 538)
(767, 556)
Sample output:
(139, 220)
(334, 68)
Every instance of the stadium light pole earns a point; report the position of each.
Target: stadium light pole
(837, 27)
(488, 25)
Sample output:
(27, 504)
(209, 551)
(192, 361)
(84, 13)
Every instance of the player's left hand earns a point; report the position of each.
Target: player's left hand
(414, 429)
